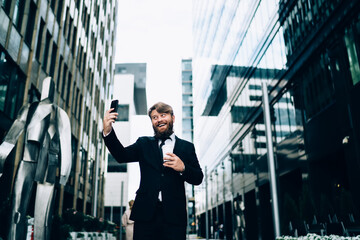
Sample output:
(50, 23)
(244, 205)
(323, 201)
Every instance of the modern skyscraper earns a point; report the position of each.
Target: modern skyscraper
(187, 100)
(188, 132)
(308, 54)
(73, 42)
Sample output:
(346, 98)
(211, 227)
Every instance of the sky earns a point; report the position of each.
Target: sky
(157, 32)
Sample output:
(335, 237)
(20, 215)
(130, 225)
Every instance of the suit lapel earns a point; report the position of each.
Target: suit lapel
(178, 146)
(157, 162)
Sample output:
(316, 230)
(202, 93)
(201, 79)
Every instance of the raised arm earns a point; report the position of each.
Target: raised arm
(65, 145)
(13, 135)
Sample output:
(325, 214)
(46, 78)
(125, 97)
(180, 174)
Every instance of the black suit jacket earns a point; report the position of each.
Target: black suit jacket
(155, 177)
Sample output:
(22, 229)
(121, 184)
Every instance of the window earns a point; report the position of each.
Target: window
(39, 38)
(18, 13)
(83, 157)
(46, 51)
(186, 65)
(30, 23)
(83, 69)
(52, 5)
(318, 88)
(59, 10)
(65, 27)
(59, 73)
(63, 84)
(53, 60)
(73, 45)
(75, 100)
(80, 107)
(255, 98)
(254, 87)
(187, 87)
(102, 33)
(114, 166)
(353, 57)
(12, 84)
(187, 111)
(239, 113)
(74, 145)
(68, 88)
(187, 99)
(6, 5)
(186, 76)
(69, 32)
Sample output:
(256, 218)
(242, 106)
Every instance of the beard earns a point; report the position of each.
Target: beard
(165, 134)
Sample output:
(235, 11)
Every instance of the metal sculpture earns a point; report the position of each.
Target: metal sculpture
(47, 140)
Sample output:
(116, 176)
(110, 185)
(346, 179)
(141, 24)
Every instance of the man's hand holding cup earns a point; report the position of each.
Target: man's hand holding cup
(171, 160)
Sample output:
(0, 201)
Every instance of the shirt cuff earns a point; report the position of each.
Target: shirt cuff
(105, 135)
(182, 172)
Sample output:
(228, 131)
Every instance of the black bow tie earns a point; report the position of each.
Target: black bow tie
(162, 139)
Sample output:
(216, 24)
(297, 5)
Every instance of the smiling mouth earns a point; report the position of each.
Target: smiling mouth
(161, 125)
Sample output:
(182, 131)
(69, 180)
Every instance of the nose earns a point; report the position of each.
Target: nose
(161, 118)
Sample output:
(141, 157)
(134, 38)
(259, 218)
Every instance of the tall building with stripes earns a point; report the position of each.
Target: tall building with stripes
(73, 41)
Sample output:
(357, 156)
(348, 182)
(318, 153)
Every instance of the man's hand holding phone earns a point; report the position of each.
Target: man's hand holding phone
(110, 117)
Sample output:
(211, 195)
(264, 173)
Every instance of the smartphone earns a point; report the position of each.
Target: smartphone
(114, 105)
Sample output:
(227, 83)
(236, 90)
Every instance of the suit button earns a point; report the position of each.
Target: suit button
(162, 174)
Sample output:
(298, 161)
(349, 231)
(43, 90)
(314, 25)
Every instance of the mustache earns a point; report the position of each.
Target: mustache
(166, 133)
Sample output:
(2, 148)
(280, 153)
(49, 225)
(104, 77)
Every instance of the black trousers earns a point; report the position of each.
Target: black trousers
(158, 229)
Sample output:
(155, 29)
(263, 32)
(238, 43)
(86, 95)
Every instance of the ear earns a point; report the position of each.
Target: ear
(173, 118)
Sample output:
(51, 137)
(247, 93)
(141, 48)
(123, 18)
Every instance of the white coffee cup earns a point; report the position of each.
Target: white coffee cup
(167, 149)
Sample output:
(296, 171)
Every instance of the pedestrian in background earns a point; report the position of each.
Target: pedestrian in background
(127, 223)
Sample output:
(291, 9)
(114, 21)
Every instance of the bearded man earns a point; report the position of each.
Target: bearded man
(166, 162)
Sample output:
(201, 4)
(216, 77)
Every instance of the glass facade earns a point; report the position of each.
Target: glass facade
(188, 133)
(12, 83)
(187, 100)
(308, 54)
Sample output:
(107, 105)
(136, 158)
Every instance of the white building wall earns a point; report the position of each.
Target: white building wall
(124, 92)
(140, 125)
(127, 132)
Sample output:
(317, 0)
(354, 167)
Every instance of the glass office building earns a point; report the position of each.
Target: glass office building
(188, 133)
(71, 41)
(187, 100)
(308, 54)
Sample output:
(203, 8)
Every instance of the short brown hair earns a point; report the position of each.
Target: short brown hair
(161, 107)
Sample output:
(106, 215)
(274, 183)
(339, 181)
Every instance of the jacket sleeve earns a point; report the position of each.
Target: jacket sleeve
(193, 173)
(119, 152)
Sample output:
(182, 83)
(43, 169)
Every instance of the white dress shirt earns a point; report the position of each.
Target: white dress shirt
(168, 142)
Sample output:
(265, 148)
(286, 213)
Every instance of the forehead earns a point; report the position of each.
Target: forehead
(155, 113)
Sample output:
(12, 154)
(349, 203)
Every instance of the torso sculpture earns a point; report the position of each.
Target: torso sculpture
(47, 143)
